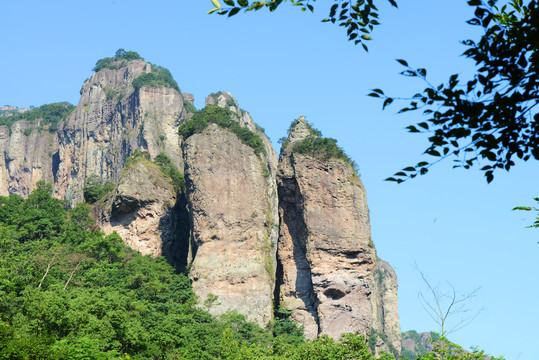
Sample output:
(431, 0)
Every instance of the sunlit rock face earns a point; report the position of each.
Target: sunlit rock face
(233, 204)
(27, 155)
(326, 255)
(110, 122)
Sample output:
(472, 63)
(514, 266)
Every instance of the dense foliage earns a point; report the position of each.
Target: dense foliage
(69, 292)
(222, 117)
(121, 58)
(49, 114)
(95, 189)
(158, 77)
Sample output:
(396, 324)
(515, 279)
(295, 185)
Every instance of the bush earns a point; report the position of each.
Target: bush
(158, 77)
(121, 54)
(165, 164)
(222, 117)
(95, 189)
(318, 146)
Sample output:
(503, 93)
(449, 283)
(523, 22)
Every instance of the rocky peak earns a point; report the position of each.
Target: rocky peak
(299, 130)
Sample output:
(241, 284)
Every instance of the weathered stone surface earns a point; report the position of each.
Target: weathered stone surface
(145, 211)
(234, 217)
(111, 121)
(26, 156)
(325, 246)
(385, 306)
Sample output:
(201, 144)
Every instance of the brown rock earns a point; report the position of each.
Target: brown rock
(26, 156)
(325, 246)
(145, 211)
(385, 306)
(233, 204)
(110, 122)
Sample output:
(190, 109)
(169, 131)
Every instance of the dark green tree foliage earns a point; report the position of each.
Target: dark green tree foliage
(50, 114)
(121, 55)
(491, 119)
(357, 17)
(222, 117)
(158, 77)
(95, 189)
(319, 147)
(165, 164)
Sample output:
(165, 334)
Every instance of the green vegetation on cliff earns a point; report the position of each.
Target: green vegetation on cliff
(50, 114)
(164, 163)
(222, 117)
(121, 55)
(158, 77)
(67, 291)
(318, 146)
(95, 189)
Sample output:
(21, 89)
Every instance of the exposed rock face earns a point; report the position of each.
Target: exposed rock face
(247, 221)
(26, 156)
(112, 120)
(385, 306)
(233, 204)
(325, 246)
(145, 212)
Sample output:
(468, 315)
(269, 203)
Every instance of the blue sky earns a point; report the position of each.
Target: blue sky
(450, 223)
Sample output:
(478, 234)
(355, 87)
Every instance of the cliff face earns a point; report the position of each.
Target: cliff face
(233, 205)
(110, 122)
(325, 248)
(26, 156)
(144, 209)
(385, 307)
(255, 231)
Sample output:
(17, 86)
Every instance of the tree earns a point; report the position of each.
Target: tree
(442, 306)
(492, 117)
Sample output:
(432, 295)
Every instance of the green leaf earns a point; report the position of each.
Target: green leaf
(229, 2)
(387, 102)
(366, 37)
(402, 62)
(243, 3)
(234, 11)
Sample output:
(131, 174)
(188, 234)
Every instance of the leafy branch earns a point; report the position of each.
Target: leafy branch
(357, 17)
(493, 117)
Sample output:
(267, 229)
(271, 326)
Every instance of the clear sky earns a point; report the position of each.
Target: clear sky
(278, 66)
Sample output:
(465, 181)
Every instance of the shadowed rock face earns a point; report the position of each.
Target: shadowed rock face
(325, 245)
(110, 122)
(145, 211)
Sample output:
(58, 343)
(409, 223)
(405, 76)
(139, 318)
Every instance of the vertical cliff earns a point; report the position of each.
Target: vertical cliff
(325, 250)
(233, 205)
(112, 120)
(255, 231)
(27, 155)
(385, 308)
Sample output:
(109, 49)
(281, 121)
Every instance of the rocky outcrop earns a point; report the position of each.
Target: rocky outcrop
(144, 209)
(26, 156)
(254, 230)
(111, 121)
(385, 307)
(233, 205)
(325, 247)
